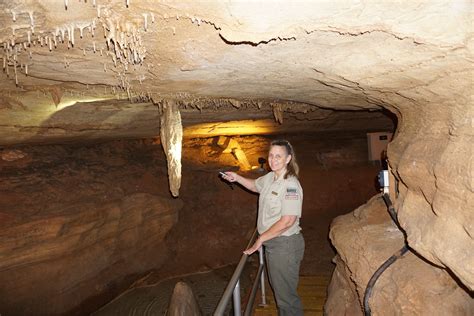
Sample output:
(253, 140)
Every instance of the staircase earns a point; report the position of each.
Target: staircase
(312, 290)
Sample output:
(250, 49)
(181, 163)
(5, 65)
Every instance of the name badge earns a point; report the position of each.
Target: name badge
(274, 193)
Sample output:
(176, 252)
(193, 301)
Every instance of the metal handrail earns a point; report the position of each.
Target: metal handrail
(233, 287)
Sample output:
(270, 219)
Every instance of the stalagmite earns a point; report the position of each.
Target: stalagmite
(171, 132)
(183, 301)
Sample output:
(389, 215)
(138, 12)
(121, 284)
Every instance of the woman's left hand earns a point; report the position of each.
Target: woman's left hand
(256, 246)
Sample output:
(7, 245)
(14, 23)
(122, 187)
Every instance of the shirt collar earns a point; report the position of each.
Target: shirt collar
(280, 178)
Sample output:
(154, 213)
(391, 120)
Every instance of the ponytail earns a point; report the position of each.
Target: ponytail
(292, 169)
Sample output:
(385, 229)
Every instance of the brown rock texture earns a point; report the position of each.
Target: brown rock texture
(364, 239)
(95, 70)
(80, 252)
(76, 228)
(171, 137)
(183, 302)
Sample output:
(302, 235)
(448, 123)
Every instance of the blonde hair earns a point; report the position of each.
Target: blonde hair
(292, 169)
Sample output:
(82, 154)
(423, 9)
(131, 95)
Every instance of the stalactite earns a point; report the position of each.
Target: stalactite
(278, 113)
(32, 21)
(171, 132)
(71, 32)
(145, 22)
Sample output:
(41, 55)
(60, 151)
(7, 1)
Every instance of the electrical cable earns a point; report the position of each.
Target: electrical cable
(386, 264)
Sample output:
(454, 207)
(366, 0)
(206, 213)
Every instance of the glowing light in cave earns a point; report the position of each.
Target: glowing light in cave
(67, 103)
(245, 127)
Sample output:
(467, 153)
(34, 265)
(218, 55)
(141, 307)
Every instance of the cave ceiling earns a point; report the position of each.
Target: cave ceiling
(101, 68)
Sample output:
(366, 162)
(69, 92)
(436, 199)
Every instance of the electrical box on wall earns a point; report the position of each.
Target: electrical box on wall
(377, 144)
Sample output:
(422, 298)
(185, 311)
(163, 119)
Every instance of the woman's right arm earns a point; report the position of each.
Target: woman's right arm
(246, 182)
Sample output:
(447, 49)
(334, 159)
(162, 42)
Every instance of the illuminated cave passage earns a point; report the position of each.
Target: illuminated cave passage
(116, 117)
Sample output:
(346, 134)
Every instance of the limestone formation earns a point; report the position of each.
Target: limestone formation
(183, 302)
(94, 70)
(364, 239)
(171, 133)
(81, 249)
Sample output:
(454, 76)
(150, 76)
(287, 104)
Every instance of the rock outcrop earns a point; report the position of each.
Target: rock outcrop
(183, 302)
(78, 225)
(364, 239)
(52, 264)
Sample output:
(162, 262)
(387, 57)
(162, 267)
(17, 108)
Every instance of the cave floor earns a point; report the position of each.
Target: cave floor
(153, 299)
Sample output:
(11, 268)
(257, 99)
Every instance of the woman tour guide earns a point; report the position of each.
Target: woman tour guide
(279, 212)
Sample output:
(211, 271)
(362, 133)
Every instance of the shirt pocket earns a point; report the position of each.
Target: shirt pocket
(274, 205)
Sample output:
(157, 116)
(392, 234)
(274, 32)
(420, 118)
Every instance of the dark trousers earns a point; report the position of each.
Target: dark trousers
(284, 255)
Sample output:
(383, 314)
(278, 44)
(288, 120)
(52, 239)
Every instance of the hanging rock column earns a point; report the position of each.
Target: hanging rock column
(171, 132)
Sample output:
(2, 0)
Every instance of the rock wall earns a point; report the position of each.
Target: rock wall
(76, 228)
(431, 160)
(364, 239)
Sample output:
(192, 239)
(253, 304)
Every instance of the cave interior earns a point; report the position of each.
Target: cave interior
(116, 118)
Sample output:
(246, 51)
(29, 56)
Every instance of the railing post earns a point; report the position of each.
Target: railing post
(262, 276)
(237, 308)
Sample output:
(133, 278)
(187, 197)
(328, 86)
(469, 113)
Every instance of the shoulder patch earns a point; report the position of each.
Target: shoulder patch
(292, 194)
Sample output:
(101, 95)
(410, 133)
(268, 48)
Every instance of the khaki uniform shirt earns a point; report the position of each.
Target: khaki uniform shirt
(277, 198)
